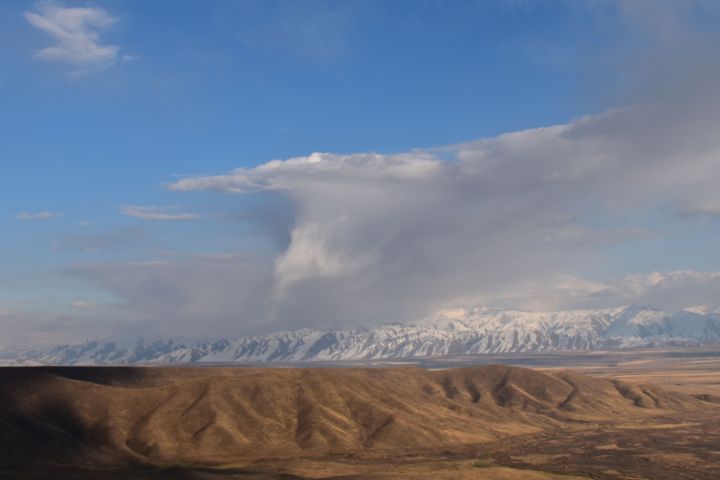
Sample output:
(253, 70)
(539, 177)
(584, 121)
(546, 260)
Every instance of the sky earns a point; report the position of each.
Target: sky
(227, 168)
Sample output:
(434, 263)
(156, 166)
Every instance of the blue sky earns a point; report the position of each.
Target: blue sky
(145, 94)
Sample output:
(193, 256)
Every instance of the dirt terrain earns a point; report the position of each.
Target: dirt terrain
(494, 422)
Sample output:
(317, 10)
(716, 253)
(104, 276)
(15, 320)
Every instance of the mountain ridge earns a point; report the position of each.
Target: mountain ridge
(190, 415)
(476, 330)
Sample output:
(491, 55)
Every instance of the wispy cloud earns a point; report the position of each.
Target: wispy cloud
(82, 304)
(309, 31)
(118, 239)
(671, 290)
(219, 288)
(706, 206)
(76, 32)
(162, 214)
(37, 215)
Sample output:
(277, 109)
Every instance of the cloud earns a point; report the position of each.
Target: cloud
(702, 204)
(162, 214)
(672, 291)
(125, 238)
(317, 168)
(190, 292)
(517, 220)
(82, 304)
(386, 237)
(37, 329)
(77, 35)
(37, 215)
(316, 31)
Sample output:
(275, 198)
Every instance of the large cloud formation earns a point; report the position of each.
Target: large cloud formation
(390, 237)
(531, 219)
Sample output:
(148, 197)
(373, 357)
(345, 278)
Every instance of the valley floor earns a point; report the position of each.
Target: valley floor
(672, 448)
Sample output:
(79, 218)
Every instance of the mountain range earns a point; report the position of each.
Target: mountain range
(471, 331)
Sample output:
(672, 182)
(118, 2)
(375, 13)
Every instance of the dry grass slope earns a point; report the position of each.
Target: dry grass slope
(221, 416)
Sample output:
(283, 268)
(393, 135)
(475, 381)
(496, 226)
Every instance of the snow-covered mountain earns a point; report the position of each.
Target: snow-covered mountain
(453, 332)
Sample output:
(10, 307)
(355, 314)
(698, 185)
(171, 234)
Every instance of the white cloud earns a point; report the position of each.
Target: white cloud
(37, 215)
(311, 254)
(672, 290)
(679, 288)
(318, 169)
(77, 34)
(162, 214)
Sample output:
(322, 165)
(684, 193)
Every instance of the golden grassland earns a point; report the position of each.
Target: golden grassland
(632, 419)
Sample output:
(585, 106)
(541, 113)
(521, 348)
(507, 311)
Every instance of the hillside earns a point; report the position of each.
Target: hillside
(224, 414)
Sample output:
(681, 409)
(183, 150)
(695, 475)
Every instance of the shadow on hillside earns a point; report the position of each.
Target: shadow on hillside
(30, 472)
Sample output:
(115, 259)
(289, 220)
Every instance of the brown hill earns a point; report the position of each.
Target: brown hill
(209, 415)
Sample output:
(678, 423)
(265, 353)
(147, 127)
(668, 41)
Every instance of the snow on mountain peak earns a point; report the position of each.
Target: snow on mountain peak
(457, 331)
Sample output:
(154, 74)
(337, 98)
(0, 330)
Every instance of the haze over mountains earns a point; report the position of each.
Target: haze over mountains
(476, 330)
